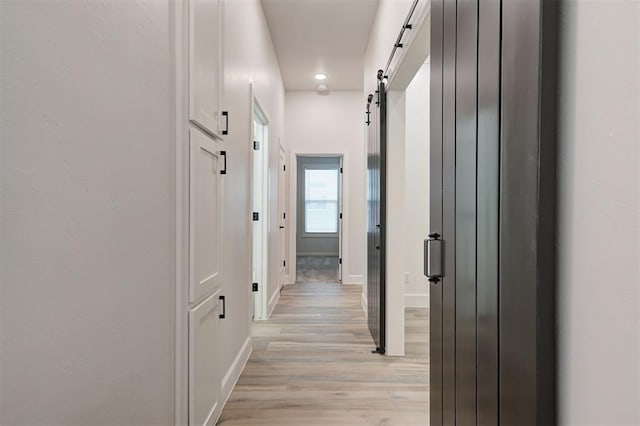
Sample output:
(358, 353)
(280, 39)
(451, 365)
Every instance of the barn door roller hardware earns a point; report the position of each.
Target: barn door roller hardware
(398, 44)
(369, 99)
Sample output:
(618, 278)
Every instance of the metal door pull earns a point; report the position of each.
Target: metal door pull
(433, 253)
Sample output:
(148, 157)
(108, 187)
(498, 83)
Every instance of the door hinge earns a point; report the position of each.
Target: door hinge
(256, 216)
(256, 145)
(254, 286)
(284, 168)
(284, 215)
(340, 169)
(340, 261)
(284, 263)
(340, 215)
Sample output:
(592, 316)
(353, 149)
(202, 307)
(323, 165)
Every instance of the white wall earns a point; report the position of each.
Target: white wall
(88, 219)
(599, 217)
(416, 207)
(395, 226)
(386, 27)
(334, 124)
(87, 295)
(249, 59)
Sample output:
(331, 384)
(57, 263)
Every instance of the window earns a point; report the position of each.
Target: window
(321, 201)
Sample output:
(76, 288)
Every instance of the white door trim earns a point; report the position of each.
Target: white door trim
(260, 227)
(283, 219)
(293, 206)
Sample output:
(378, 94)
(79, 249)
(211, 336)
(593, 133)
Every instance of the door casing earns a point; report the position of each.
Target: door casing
(283, 220)
(260, 193)
(294, 208)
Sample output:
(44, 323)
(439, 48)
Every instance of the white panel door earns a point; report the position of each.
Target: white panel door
(204, 374)
(282, 219)
(205, 64)
(340, 221)
(207, 163)
(259, 236)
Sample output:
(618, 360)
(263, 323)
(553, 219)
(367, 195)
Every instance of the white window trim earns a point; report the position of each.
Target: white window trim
(305, 234)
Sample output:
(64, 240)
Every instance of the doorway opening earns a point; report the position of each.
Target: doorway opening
(260, 215)
(416, 213)
(319, 219)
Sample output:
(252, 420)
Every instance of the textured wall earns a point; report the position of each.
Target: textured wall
(87, 285)
(599, 227)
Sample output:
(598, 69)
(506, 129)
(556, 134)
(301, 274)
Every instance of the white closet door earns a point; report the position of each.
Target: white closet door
(204, 375)
(205, 63)
(340, 220)
(205, 205)
(282, 207)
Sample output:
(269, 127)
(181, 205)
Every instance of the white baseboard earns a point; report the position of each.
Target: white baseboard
(353, 279)
(416, 300)
(273, 301)
(363, 302)
(233, 374)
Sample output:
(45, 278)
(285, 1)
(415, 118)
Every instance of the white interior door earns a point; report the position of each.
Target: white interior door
(205, 205)
(204, 374)
(260, 215)
(282, 210)
(340, 219)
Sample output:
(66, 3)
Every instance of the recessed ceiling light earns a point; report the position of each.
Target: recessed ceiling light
(320, 76)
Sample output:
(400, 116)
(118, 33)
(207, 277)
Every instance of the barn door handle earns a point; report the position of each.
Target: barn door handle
(433, 252)
(224, 308)
(224, 154)
(225, 114)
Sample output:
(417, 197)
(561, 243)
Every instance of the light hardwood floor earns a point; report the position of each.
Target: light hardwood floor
(312, 365)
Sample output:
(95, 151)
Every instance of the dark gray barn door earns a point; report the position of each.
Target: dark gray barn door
(493, 65)
(376, 202)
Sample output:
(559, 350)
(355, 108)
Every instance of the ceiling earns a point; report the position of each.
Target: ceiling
(327, 36)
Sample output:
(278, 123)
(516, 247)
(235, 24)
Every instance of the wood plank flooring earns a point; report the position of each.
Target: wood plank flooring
(312, 365)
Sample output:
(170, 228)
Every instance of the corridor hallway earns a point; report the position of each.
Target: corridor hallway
(312, 365)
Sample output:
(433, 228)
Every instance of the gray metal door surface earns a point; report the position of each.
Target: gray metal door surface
(492, 166)
(376, 214)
